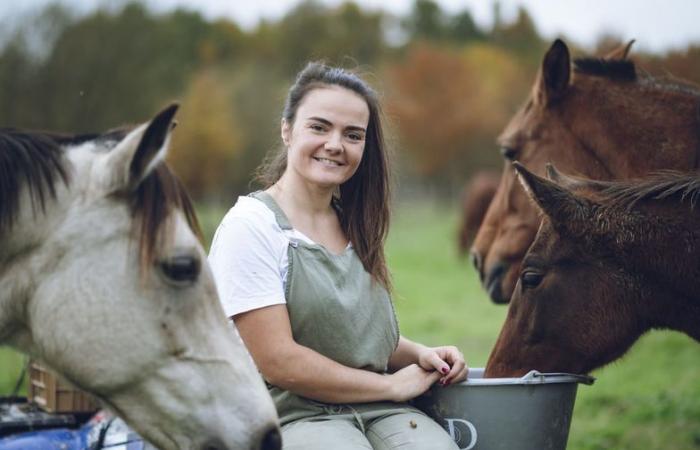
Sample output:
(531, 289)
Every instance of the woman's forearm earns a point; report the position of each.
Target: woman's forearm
(406, 353)
(307, 373)
(285, 363)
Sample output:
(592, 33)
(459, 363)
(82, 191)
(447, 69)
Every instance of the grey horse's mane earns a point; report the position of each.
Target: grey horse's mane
(37, 160)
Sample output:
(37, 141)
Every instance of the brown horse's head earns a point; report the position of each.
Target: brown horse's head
(609, 262)
(602, 120)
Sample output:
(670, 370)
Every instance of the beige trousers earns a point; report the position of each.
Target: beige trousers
(366, 426)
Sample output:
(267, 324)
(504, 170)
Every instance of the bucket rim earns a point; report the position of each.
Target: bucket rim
(475, 378)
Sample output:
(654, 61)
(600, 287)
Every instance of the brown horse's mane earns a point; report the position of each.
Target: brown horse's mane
(614, 69)
(658, 186)
(625, 70)
(37, 159)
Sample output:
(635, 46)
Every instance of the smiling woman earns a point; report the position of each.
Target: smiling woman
(327, 140)
(301, 270)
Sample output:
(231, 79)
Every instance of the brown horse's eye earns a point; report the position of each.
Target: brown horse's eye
(509, 153)
(530, 279)
(181, 269)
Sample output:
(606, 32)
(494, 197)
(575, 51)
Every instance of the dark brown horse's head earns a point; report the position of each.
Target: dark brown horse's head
(602, 120)
(609, 262)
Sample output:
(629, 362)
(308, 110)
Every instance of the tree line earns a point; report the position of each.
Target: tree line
(448, 85)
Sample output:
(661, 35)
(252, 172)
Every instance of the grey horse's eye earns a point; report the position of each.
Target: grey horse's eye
(181, 269)
(509, 153)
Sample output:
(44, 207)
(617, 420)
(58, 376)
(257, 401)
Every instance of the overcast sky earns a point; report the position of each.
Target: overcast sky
(657, 25)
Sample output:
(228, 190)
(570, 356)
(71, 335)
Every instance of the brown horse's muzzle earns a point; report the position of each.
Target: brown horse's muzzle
(497, 280)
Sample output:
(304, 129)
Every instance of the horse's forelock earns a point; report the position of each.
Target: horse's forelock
(33, 158)
(158, 195)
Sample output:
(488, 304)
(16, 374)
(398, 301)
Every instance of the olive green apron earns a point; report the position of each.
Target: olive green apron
(336, 309)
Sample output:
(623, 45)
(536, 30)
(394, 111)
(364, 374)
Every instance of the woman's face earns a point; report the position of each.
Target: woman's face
(326, 141)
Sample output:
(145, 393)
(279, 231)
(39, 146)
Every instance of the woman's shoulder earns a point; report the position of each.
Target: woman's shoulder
(249, 209)
(249, 223)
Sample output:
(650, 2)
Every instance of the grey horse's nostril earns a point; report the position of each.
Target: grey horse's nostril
(271, 440)
(213, 444)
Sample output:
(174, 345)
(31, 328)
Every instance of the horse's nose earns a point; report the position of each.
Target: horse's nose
(493, 282)
(271, 440)
(213, 444)
(477, 262)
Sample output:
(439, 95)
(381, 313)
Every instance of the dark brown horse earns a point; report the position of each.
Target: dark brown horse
(476, 198)
(603, 120)
(610, 261)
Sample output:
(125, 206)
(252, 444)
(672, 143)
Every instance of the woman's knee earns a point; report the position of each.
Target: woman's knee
(323, 435)
(409, 431)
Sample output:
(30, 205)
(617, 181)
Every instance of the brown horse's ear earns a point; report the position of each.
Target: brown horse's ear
(554, 75)
(554, 175)
(621, 52)
(562, 206)
(573, 183)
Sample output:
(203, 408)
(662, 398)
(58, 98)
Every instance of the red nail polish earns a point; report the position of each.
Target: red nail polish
(445, 370)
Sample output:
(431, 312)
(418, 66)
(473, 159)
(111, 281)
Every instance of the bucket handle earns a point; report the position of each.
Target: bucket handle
(536, 377)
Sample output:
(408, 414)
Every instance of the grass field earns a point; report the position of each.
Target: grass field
(649, 400)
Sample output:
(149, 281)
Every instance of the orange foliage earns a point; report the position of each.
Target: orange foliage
(447, 103)
(207, 141)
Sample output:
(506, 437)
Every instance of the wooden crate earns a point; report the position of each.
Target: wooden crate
(54, 395)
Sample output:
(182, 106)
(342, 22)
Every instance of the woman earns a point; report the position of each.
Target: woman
(300, 268)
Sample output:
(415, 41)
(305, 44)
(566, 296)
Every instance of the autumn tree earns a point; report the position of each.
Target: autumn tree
(427, 21)
(315, 31)
(448, 106)
(207, 140)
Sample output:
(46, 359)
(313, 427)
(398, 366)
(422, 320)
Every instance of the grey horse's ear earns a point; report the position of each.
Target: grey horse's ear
(153, 145)
(562, 206)
(139, 152)
(555, 74)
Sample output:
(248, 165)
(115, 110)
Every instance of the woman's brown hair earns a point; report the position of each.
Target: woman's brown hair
(363, 200)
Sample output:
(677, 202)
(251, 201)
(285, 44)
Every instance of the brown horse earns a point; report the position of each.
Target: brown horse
(604, 121)
(610, 261)
(476, 198)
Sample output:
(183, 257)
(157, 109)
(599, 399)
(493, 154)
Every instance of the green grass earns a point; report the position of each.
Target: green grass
(11, 364)
(650, 399)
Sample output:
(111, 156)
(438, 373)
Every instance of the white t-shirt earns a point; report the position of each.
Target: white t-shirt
(248, 257)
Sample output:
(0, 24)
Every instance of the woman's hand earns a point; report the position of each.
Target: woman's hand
(447, 360)
(410, 382)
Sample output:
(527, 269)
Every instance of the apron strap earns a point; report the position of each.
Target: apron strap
(270, 202)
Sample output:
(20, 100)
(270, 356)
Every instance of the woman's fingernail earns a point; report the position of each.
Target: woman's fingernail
(445, 370)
